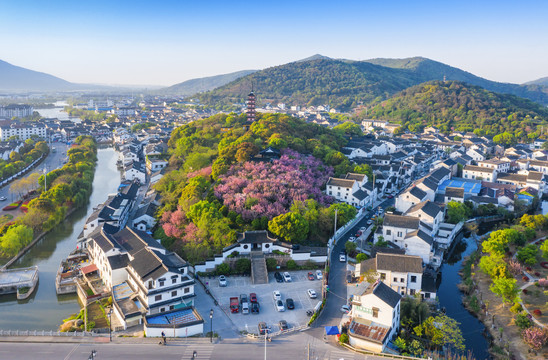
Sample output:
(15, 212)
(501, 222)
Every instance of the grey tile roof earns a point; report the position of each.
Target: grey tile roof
(407, 222)
(427, 207)
(478, 169)
(440, 174)
(418, 193)
(399, 263)
(340, 182)
(354, 176)
(255, 237)
(454, 192)
(421, 235)
(360, 194)
(383, 292)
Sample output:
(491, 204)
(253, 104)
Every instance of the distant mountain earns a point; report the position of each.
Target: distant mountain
(454, 105)
(15, 78)
(345, 84)
(314, 57)
(542, 81)
(203, 84)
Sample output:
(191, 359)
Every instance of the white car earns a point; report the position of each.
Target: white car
(3, 198)
(352, 239)
(276, 295)
(287, 277)
(311, 293)
(342, 257)
(319, 274)
(280, 305)
(222, 281)
(363, 228)
(345, 309)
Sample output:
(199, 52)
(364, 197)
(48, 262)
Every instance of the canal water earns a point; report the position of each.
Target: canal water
(450, 299)
(44, 309)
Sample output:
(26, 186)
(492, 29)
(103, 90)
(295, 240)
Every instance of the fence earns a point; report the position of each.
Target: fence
(277, 333)
(391, 356)
(46, 333)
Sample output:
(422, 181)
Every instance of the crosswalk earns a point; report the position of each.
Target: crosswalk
(341, 355)
(203, 352)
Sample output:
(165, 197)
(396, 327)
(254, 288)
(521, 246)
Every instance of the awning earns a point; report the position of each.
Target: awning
(89, 269)
(331, 330)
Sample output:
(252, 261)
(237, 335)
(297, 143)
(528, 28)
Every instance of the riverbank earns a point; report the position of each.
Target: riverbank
(504, 336)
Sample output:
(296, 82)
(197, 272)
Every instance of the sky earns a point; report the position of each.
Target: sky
(166, 42)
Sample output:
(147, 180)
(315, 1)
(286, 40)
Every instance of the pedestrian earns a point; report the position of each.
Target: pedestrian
(164, 337)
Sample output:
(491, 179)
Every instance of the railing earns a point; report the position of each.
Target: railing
(46, 333)
(391, 356)
(277, 333)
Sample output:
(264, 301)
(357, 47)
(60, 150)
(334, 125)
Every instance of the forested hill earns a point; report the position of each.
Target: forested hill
(344, 84)
(459, 106)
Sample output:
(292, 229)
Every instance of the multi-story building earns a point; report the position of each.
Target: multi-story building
(22, 131)
(15, 110)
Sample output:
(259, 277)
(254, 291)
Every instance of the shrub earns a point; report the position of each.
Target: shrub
(291, 265)
(271, 264)
(243, 266)
(535, 337)
(343, 339)
(361, 257)
(516, 308)
(525, 278)
(222, 269)
(522, 321)
(537, 274)
(537, 312)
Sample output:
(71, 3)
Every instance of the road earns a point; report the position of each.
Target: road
(54, 160)
(295, 347)
(337, 297)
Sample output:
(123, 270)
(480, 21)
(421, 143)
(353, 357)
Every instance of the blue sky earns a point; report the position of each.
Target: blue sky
(166, 42)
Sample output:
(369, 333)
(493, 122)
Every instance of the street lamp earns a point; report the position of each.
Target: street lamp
(110, 325)
(211, 328)
(92, 356)
(265, 338)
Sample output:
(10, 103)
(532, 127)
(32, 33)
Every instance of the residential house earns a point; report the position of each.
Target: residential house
(479, 173)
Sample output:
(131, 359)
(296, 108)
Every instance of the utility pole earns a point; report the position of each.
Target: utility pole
(308, 352)
(45, 178)
(335, 228)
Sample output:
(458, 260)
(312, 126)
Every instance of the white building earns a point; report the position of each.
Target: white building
(15, 110)
(375, 317)
(479, 173)
(351, 190)
(402, 273)
(22, 131)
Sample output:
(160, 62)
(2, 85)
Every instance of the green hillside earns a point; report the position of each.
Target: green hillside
(345, 84)
(542, 82)
(458, 106)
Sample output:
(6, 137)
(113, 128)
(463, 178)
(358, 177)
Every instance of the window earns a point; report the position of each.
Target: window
(427, 295)
(383, 276)
(174, 293)
(402, 280)
(413, 278)
(375, 312)
(388, 232)
(186, 290)
(162, 309)
(158, 297)
(150, 284)
(162, 282)
(174, 280)
(395, 279)
(400, 234)
(171, 307)
(411, 291)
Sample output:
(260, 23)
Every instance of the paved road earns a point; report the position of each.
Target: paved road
(53, 161)
(294, 347)
(337, 296)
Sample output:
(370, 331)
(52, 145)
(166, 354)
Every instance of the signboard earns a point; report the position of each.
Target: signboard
(364, 309)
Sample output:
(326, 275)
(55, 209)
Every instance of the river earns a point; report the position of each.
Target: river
(44, 309)
(58, 113)
(450, 298)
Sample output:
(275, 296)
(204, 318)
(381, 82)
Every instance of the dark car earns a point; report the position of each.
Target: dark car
(390, 196)
(290, 304)
(253, 297)
(310, 276)
(359, 233)
(255, 308)
(278, 277)
(283, 325)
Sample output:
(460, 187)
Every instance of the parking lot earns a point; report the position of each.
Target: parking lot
(296, 290)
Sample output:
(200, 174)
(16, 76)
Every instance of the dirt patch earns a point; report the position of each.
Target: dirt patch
(96, 314)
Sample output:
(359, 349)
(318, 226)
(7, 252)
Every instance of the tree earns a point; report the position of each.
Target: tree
(361, 257)
(441, 331)
(15, 238)
(15, 156)
(498, 241)
(350, 247)
(528, 254)
(271, 264)
(291, 227)
(222, 269)
(349, 128)
(544, 246)
(535, 337)
(457, 212)
(494, 266)
(505, 288)
(364, 169)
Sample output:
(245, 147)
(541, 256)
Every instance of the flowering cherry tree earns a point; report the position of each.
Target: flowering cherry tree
(256, 189)
(535, 337)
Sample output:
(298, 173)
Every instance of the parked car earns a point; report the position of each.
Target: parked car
(255, 308)
(310, 276)
(253, 297)
(263, 329)
(279, 278)
(3, 198)
(319, 274)
(289, 304)
(244, 304)
(311, 294)
(363, 228)
(276, 295)
(280, 305)
(287, 277)
(369, 222)
(222, 281)
(352, 239)
(243, 298)
(345, 309)
(359, 233)
(342, 257)
(283, 325)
